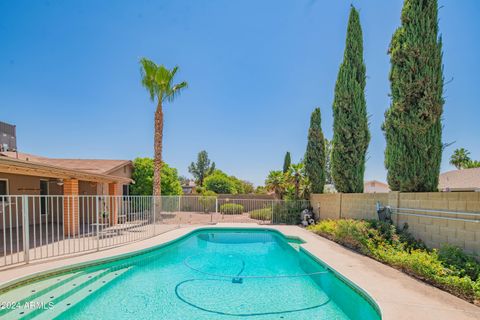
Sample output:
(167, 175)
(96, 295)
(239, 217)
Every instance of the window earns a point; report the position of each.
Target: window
(3, 189)
(126, 190)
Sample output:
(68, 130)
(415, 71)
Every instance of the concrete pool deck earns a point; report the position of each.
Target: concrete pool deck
(398, 295)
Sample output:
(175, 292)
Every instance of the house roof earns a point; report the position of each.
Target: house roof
(460, 180)
(189, 184)
(84, 169)
(89, 165)
(379, 183)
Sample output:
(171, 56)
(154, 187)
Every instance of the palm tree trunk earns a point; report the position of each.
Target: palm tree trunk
(157, 161)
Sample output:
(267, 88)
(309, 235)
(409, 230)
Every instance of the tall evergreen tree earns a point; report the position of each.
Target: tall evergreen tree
(412, 126)
(350, 125)
(315, 154)
(287, 161)
(328, 162)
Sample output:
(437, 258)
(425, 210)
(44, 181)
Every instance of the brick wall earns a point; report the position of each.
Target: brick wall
(433, 231)
(70, 207)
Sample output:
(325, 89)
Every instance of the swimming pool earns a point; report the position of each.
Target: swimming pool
(208, 274)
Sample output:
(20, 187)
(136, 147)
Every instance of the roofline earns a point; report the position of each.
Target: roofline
(378, 181)
(458, 170)
(124, 163)
(15, 166)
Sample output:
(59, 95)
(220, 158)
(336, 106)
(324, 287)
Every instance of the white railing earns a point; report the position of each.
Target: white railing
(39, 227)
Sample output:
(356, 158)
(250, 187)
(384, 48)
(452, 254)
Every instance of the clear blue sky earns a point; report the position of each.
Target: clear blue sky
(70, 81)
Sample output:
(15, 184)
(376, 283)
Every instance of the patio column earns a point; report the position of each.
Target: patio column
(71, 218)
(114, 192)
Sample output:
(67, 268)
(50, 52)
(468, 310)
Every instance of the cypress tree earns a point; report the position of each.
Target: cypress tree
(315, 154)
(412, 126)
(287, 161)
(350, 126)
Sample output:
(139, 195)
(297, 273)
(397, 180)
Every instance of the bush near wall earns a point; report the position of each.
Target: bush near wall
(261, 214)
(231, 208)
(448, 268)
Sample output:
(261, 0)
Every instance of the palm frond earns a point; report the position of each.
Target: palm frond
(148, 70)
(162, 77)
(157, 79)
(171, 76)
(175, 91)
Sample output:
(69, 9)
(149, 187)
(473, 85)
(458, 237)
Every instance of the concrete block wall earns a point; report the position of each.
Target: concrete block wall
(361, 205)
(327, 205)
(347, 205)
(433, 231)
(436, 232)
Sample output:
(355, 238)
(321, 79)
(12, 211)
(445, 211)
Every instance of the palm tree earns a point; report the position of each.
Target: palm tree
(472, 164)
(305, 188)
(460, 158)
(276, 182)
(297, 174)
(158, 81)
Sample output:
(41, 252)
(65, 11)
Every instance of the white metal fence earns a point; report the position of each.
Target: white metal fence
(38, 227)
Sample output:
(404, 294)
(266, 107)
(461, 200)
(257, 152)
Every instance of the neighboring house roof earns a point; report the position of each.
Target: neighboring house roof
(460, 180)
(375, 186)
(84, 169)
(189, 184)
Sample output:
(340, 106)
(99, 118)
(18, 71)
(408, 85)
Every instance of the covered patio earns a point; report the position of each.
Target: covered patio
(52, 203)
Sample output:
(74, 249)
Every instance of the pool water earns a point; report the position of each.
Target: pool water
(210, 274)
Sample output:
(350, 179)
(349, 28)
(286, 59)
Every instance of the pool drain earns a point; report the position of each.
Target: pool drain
(237, 280)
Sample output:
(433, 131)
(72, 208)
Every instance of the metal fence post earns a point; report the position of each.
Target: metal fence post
(98, 223)
(26, 229)
(154, 215)
(216, 205)
(272, 213)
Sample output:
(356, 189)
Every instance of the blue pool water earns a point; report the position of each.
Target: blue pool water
(210, 274)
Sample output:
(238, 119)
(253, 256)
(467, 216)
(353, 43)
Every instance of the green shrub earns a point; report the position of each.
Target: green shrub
(220, 183)
(231, 208)
(143, 176)
(261, 214)
(449, 268)
(461, 263)
(288, 211)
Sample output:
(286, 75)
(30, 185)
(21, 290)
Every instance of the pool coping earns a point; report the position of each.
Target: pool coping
(394, 294)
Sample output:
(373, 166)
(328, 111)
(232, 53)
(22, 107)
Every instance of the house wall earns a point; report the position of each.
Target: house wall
(434, 232)
(19, 185)
(28, 185)
(375, 187)
(124, 172)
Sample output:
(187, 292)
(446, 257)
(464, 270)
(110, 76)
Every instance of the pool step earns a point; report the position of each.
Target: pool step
(70, 301)
(26, 310)
(30, 292)
(295, 246)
